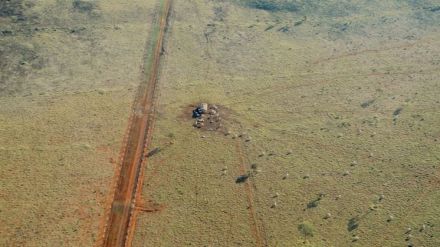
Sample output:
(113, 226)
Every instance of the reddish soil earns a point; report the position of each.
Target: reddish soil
(117, 228)
(256, 225)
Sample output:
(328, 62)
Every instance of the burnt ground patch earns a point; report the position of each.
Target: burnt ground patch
(15, 10)
(10, 8)
(274, 6)
(16, 62)
(83, 6)
(21, 52)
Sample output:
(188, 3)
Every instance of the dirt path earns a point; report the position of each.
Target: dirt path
(256, 226)
(118, 224)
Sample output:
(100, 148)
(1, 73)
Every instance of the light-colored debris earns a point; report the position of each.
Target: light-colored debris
(390, 218)
(203, 107)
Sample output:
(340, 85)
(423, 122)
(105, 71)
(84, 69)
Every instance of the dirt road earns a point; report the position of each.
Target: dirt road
(139, 135)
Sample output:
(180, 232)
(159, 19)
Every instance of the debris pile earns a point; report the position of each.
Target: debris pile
(207, 116)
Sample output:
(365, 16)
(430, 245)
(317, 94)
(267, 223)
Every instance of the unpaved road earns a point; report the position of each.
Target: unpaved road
(139, 135)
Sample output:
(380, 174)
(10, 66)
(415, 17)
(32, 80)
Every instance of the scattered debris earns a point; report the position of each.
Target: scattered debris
(373, 207)
(207, 117)
(328, 216)
(390, 218)
(225, 170)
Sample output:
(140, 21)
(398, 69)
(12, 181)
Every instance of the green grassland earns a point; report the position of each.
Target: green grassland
(69, 71)
(340, 95)
(350, 88)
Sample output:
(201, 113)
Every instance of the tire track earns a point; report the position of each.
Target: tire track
(256, 225)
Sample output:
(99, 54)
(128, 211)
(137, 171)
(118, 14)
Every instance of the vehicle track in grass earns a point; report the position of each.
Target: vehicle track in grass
(119, 225)
(256, 224)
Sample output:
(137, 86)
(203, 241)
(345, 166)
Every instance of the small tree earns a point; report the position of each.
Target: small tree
(306, 229)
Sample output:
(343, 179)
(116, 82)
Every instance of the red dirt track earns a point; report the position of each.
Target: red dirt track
(133, 157)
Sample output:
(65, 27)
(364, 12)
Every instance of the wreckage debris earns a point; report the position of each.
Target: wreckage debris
(207, 116)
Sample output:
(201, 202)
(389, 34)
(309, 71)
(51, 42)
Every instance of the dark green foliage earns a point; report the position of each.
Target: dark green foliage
(83, 6)
(306, 229)
(11, 8)
(397, 111)
(353, 224)
(367, 103)
(313, 204)
(273, 5)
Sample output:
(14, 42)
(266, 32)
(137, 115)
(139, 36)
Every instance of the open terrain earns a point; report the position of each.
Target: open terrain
(69, 71)
(340, 101)
(329, 122)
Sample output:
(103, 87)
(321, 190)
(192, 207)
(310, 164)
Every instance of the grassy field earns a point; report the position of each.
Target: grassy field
(69, 71)
(342, 96)
(332, 108)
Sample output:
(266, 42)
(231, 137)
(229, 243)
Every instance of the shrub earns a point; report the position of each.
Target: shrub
(306, 229)
(273, 5)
